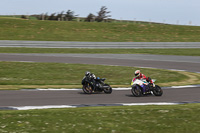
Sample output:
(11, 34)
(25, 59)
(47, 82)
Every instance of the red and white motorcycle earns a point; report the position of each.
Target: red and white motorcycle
(142, 87)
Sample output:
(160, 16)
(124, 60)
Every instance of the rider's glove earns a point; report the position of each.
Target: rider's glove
(152, 84)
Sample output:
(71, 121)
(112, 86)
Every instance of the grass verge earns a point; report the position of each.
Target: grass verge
(185, 52)
(16, 75)
(19, 29)
(180, 119)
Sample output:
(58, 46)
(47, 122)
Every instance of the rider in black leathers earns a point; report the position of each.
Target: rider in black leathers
(91, 78)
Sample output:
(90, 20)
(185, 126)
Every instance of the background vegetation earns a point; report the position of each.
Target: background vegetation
(102, 15)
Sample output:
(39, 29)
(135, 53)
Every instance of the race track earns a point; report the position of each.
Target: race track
(65, 44)
(76, 97)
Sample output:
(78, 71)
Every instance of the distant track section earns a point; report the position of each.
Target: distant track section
(62, 44)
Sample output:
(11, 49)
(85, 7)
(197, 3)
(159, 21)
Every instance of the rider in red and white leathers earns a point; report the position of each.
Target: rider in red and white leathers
(139, 75)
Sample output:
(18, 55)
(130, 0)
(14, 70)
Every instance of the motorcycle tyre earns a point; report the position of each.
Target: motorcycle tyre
(108, 90)
(138, 89)
(157, 91)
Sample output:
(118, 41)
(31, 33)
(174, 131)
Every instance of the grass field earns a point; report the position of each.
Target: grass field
(186, 52)
(143, 119)
(19, 29)
(16, 75)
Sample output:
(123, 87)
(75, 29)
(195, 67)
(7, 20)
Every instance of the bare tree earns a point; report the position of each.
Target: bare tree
(69, 15)
(42, 16)
(102, 14)
(60, 16)
(24, 17)
(52, 16)
(90, 18)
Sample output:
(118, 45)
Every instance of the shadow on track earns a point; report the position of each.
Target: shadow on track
(94, 93)
(149, 95)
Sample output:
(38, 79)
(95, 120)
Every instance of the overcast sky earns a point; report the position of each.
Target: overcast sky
(169, 11)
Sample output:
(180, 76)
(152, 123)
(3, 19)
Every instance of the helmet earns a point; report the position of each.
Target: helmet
(137, 73)
(87, 73)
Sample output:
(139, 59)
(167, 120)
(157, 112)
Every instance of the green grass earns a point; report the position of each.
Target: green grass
(122, 119)
(18, 29)
(55, 74)
(18, 73)
(186, 52)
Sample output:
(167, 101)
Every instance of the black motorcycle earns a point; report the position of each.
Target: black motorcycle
(91, 84)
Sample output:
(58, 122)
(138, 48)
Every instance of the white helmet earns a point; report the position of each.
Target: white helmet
(137, 73)
(87, 73)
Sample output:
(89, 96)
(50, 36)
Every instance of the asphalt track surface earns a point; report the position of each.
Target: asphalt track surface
(64, 44)
(41, 98)
(188, 63)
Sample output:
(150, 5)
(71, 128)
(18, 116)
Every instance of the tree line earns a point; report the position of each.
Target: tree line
(102, 15)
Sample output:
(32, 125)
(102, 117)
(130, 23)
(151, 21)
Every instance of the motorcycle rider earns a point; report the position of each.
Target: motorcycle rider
(91, 77)
(139, 75)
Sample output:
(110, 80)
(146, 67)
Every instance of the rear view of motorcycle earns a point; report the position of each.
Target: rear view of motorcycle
(142, 87)
(92, 84)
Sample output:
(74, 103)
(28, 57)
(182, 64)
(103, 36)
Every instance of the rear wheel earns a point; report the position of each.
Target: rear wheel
(87, 89)
(157, 91)
(136, 91)
(108, 90)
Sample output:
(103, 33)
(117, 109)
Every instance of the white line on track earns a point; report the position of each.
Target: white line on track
(75, 106)
(163, 103)
(42, 107)
(187, 86)
(52, 89)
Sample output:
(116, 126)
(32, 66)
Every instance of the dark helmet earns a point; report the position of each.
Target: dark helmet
(87, 73)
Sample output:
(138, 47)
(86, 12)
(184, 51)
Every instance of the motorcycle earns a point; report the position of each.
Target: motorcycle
(142, 87)
(91, 85)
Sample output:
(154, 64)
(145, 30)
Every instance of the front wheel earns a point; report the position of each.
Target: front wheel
(157, 91)
(136, 91)
(87, 89)
(108, 90)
